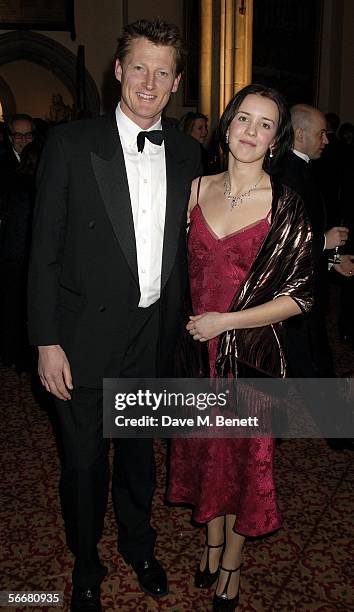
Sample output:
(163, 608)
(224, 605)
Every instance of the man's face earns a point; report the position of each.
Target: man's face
(21, 134)
(315, 136)
(147, 76)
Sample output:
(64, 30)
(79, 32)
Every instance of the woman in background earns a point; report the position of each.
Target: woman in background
(196, 125)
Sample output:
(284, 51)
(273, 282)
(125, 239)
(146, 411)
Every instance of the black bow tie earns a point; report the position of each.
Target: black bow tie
(155, 136)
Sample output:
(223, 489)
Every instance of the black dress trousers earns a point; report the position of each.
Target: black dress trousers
(85, 470)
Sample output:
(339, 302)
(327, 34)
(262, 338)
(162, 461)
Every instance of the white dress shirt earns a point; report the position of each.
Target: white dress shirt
(146, 174)
(17, 155)
(302, 155)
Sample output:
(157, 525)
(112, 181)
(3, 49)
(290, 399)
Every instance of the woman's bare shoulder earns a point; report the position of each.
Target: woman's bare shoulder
(204, 184)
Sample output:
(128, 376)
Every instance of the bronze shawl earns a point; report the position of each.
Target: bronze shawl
(283, 266)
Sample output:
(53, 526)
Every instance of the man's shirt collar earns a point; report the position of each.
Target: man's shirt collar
(302, 155)
(17, 155)
(128, 130)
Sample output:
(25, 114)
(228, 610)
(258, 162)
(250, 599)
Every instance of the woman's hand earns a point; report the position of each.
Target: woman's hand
(210, 324)
(206, 326)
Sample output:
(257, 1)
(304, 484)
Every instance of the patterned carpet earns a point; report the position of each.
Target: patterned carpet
(305, 567)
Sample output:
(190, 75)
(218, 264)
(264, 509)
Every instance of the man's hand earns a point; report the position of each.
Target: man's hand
(336, 237)
(54, 371)
(346, 265)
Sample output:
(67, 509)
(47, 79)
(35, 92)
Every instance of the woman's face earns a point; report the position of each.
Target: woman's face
(253, 129)
(199, 130)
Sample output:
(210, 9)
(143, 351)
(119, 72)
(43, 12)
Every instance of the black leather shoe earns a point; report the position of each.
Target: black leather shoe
(86, 600)
(151, 577)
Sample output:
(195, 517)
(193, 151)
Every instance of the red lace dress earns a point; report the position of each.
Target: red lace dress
(223, 476)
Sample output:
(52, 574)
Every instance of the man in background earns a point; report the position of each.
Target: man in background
(20, 131)
(16, 198)
(307, 346)
(306, 340)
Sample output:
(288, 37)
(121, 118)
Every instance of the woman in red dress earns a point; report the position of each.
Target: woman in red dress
(249, 250)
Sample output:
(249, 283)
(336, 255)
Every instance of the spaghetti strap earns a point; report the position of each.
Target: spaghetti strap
(198, 188)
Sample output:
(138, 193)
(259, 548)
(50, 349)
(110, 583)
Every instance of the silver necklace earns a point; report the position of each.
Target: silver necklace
(235, 199)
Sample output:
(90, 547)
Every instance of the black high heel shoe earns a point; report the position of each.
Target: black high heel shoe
(204, 579)
(223, 603)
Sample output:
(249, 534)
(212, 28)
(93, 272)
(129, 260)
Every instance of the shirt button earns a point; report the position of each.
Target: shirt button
(102, 308)
(144, 211)
(92, 224)
(143, 271)
(145, 180)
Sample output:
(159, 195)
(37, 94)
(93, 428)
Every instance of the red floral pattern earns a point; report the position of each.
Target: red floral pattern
(224, 476)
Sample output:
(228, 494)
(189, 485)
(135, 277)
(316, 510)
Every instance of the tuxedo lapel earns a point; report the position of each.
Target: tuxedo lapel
(175, 203)
(109, 169)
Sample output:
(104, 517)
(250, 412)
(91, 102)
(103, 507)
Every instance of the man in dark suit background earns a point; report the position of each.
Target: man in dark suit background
(15, 206)
(107, 279)
(20, 130)
(306, 339)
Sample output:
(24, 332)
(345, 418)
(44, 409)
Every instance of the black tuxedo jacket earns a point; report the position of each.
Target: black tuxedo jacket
(306, 346)
(8, 166)
(83, 278)
(9, 188)
(296, 174)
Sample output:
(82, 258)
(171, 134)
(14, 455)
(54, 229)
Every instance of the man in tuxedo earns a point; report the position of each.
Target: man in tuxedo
(306, 341)
(305, 337)
(107, 279)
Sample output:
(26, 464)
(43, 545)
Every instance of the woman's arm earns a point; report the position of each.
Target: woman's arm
(210, 324)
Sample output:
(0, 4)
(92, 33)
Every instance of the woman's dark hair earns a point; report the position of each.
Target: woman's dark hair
(284, 136)
(158, 32)
(189, 119)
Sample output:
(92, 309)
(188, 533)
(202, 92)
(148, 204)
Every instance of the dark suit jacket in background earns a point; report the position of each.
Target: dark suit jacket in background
(8, 181)
(305, 337)
(296, 173)
(83, 280)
